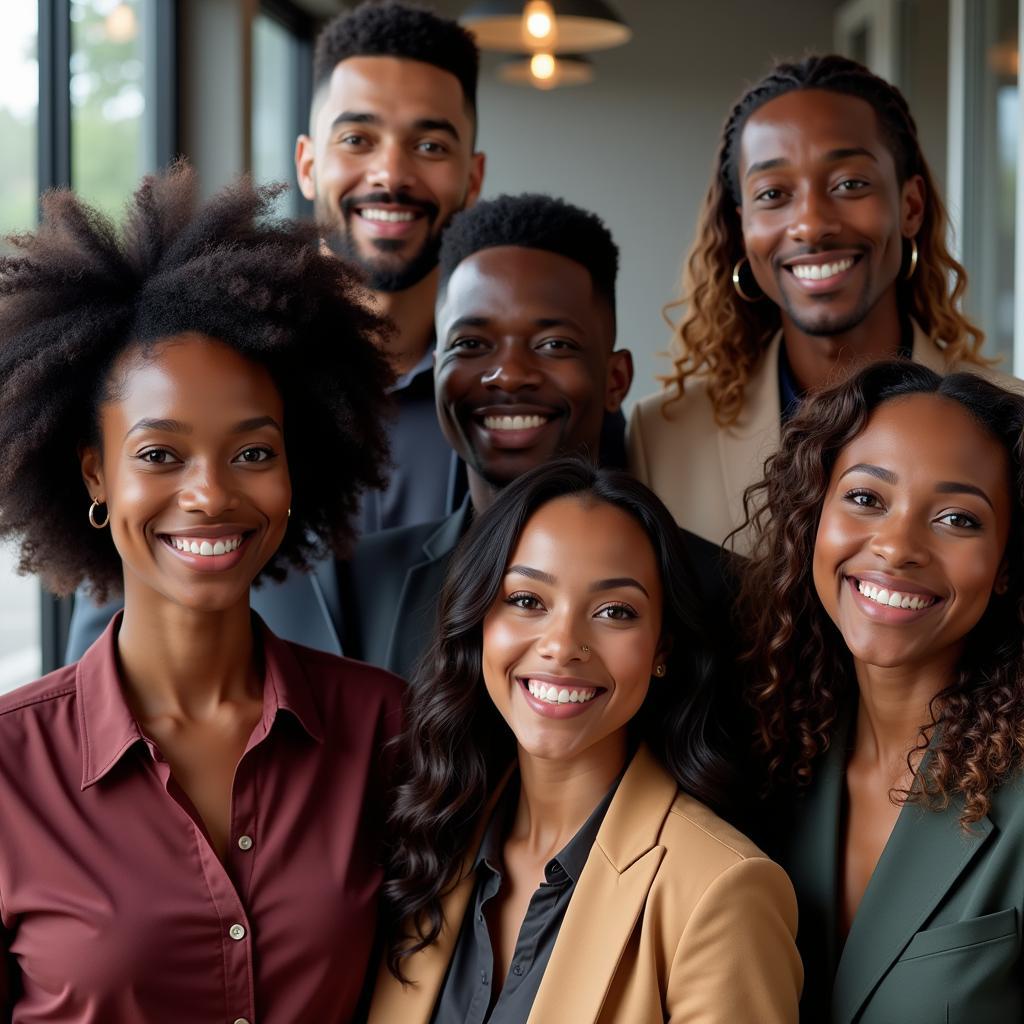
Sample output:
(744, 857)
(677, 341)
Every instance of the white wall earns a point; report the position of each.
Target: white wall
(636, 146)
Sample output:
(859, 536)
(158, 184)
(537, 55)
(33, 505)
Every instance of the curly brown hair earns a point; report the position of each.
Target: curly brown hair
(720, 336)
(802, 672)
(79, 292)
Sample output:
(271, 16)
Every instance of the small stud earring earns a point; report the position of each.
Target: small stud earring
(659, 670)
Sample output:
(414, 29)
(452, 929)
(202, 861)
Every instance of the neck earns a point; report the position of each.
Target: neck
(482, 494)
(178, 660)
(819, 361)
(557, 797)
(412, 313)
(893, 706)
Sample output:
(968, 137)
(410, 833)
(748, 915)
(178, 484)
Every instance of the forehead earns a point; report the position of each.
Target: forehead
(572, 538)
(811, 124)
(929, 438)
(397, 90)
(195, 375)
(508, 282)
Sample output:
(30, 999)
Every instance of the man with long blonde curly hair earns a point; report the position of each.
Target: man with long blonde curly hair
(821, 246)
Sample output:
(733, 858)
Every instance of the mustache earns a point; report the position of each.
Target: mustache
(349, 203)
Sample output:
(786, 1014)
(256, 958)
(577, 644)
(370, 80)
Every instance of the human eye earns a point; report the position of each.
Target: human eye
(157, 456)
(525, 600)
(863, 499)
(431, 147)
(353, 140)
(255, 453)
(557, 345)
(960, 520)
(768, 195)
(851, 185)
(468, 344)
(618, 612)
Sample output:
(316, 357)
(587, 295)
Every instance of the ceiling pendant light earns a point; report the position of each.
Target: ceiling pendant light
(545, 26)
(546, 71)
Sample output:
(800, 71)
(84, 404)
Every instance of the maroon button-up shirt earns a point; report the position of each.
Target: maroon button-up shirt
(114, 907)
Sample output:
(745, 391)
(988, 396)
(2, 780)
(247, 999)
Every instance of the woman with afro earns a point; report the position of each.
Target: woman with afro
(189, 403)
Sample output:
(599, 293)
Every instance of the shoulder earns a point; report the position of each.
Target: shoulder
(994, 376)
(403, 542)
(669, 410)
(33, 698)
(330, 674)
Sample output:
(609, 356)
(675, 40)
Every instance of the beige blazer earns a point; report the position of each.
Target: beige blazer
(676, 917)
(700, 470)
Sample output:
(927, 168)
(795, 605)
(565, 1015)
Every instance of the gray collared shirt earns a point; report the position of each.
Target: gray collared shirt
(467, 996)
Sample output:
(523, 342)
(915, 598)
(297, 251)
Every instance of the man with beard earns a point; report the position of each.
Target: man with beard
(526, 371)
(389, 159)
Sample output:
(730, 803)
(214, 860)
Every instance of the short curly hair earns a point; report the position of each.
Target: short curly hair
(77, 293)
(534, 221)
(396, 29)
(803, 676)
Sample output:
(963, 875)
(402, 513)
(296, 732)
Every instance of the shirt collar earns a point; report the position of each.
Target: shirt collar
(571, 858)
(108, 728)
(425, 365)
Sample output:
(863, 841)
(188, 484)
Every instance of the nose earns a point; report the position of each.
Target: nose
(512, 369)
(563, 641)
(207, 489)
(814, 218)
(899, 540)
(391, 169)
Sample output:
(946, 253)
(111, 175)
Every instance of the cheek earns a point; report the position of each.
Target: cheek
(503, 645)
(832, 545)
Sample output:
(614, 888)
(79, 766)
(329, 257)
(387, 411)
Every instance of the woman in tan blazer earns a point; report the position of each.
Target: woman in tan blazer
(554, 857)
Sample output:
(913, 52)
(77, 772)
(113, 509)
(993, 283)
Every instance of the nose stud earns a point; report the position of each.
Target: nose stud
(584, 649)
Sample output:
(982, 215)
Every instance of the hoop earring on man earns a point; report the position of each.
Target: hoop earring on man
(913, 260)
(738, 284)
(92, 515)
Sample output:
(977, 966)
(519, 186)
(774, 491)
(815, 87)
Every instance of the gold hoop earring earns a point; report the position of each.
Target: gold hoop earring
(913, 260)
(659, 670)
(92, 515)
(737, 285)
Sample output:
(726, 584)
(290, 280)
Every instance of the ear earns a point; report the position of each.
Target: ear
(304, 166)
(478, 161)
(912, 201)
(1002, 584)
(618, 378)
(92, 472)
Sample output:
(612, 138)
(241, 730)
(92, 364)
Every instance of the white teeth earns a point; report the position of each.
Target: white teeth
(821, 271)
(513, 422)
(560, 695)
(204, 547)
(893, 598)
(389, 216)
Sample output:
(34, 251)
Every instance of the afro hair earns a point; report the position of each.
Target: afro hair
(395, 29)
(533, 221)
(77, 293)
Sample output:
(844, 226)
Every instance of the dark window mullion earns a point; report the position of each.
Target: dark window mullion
(54, 47)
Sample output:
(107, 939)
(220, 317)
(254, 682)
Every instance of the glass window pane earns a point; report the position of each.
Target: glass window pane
(275, 90)
(108, 102)
(19, 102)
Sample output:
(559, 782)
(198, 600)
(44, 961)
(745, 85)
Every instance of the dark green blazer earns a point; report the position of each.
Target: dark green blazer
(937, 936)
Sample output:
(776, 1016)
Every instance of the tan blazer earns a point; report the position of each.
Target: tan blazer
(700, 470)
(676, 917)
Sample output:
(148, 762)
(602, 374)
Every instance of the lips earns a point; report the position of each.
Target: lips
(890, 599)
(513, 426)
(552, 696)
(822, 272)
(209, 549)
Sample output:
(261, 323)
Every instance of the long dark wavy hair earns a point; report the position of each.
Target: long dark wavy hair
(803, 673)
(720, 336)
(456, 745)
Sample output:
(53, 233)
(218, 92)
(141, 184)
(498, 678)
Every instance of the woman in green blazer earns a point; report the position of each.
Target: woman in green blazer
(889, 690)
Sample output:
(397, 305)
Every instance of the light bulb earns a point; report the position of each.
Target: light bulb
(538, 23)
(542, 66)
(121, 24)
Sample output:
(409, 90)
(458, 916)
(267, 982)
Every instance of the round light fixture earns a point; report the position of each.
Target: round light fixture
(545, 26)
(546, 71)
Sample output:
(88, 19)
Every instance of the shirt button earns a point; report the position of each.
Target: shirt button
(517, 970)
(483, 977)
(244, 843)
(241, 1020)
(237, 932)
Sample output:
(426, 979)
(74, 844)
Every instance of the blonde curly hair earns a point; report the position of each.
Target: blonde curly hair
(720, 336)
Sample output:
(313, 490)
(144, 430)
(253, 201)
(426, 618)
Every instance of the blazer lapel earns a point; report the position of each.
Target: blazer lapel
(923, 858)
(926, 352)
(744, 445)
(304, 608)
(612, 890)
(418, 603)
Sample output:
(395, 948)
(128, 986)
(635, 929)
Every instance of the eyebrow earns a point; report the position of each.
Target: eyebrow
(832, 156)
(177, 427)
(423, 124)
(483, 321)
(943, 487)
(609, 584)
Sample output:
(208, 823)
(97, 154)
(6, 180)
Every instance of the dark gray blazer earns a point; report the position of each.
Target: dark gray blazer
(937, 936)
